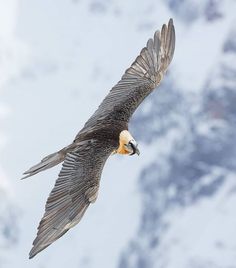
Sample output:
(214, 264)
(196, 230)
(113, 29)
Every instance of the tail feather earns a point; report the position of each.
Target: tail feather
(48, 162)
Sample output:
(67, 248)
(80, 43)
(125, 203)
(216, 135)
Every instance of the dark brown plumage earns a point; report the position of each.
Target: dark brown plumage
(78, 182)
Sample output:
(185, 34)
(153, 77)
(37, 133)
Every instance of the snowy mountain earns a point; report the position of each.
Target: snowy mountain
(175, 205)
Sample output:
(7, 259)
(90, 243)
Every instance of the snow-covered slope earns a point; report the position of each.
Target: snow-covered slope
(174, 205)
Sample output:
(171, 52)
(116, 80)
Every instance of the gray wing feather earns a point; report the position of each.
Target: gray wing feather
(145, 73)
(76, 187)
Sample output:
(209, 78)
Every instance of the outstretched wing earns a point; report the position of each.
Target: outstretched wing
(139, 80)
(76, 187)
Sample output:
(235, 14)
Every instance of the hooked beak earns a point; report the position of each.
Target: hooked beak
(134, 148)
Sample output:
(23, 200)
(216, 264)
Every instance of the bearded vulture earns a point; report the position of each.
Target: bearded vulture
(105, 133)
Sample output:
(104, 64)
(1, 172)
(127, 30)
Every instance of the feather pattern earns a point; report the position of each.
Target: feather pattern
(139, 80)
(76, 187)
(78, 182)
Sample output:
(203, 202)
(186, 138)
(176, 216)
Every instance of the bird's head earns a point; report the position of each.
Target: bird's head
(127, 144)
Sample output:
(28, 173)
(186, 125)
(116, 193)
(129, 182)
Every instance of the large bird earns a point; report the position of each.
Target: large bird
(105, 133)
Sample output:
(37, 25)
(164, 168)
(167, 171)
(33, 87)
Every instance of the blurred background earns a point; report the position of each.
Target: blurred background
(174, 205)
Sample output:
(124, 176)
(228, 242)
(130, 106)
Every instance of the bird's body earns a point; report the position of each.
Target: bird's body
(105, 133)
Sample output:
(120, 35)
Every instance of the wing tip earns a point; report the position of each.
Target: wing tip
(170, 24)
(171, 21)
(36, 249)
(26, 175)
(33, 252)
(31, 256)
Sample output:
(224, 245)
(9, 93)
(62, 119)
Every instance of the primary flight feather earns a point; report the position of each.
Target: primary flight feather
(105, 133)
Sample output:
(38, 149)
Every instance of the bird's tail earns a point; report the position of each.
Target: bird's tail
(48, 161)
